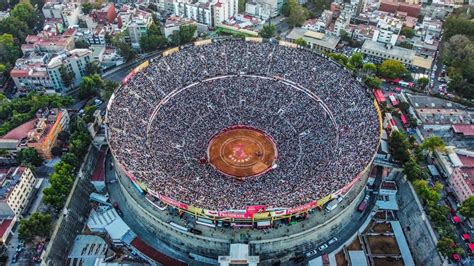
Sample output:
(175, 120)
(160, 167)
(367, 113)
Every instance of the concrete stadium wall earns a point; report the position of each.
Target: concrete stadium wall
(270, 250)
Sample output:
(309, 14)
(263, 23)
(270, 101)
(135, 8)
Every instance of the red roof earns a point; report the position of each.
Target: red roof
(16, 73)
(21, 131)
(154, 254)
(4, 225)
(99, 171)
(466, 130)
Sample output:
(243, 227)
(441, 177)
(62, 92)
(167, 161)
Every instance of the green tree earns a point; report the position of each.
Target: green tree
(298, 14)
(430, 196)
(3, 69)
(342, 59)
(81, 44)
(407, 32)
(186, 33)
(19, 29)
(92, 68)
(369, 68)
(88, 116)
(413, 171)
(458, 25)
(109, 88)
(438, 214)
(9, 52)
(24, 11)
(70, 158)
(467, 207)
(344, 35)
(445, 246)
(399, 146)
(433, 143)
(152, 42)
(406, 45)
(123, 48)
(356, 60)
(373, 82)
(301, 42)
(267, 31)
(29, 156)
(37, 225)
(61, 181)
(90, 86)
(87, 8)
(392, 69)
(242, 5)
(423, 82)
(66, 76)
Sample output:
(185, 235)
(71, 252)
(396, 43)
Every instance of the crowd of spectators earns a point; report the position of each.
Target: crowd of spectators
(323, 122)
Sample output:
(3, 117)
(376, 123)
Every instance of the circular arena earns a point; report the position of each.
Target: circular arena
(234, 129)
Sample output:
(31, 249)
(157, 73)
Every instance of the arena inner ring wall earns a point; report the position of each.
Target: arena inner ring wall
(251, 213)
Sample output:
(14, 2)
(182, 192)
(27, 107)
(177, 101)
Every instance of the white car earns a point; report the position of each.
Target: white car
(323, 247)
(332, 241)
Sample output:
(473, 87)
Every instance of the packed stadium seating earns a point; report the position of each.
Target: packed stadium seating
(323, 121)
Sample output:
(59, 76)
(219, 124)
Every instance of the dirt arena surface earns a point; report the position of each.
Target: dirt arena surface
(242, 152)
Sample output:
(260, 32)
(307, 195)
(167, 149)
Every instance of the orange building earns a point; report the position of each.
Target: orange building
(43, 137)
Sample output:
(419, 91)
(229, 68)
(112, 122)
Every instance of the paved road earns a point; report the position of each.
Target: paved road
(349, 231)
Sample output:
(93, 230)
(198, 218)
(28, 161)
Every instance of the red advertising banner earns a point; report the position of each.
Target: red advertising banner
(251, 210)
(301, 208)
(173, 202)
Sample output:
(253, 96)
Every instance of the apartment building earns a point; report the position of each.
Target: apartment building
(16, 187)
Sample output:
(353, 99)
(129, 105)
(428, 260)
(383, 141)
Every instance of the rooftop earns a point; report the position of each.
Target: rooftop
(466, 130)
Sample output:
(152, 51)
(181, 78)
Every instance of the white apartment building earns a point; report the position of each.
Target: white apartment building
(207, 12)
(68, 12)
(388, 30)
(320, 24)
(262, 9)
(75, 62)
(17, 184)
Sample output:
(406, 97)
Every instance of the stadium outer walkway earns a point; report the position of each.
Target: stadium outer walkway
(279, 244)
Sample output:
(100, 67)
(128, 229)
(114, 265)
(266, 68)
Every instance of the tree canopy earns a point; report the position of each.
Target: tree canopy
(433, 143)
(24, 11)
(9, 51)
(301, 42)
(356, 61)
(407, 32)
(467, 207)
(399, 146)
(29, 156)
(184, 35)
(413, 170)
(153, 41)
(37, 225)
(459, 57)
(267, 31)
(392, 69)
(19, 110)
(296, 13)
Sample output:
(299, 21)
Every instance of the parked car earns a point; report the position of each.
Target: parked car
(323, 247)
(332, 241)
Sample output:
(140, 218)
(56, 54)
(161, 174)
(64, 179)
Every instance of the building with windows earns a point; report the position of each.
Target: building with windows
(138, 27)
(75, 62)
(49, 42)
(388, 30)
(462, 176)
(17, 185)
(378, 52)
(210, 13)
(49, 123)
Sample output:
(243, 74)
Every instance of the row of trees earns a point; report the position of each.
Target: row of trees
(458, 53)
(65, 171)
(430, 194)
